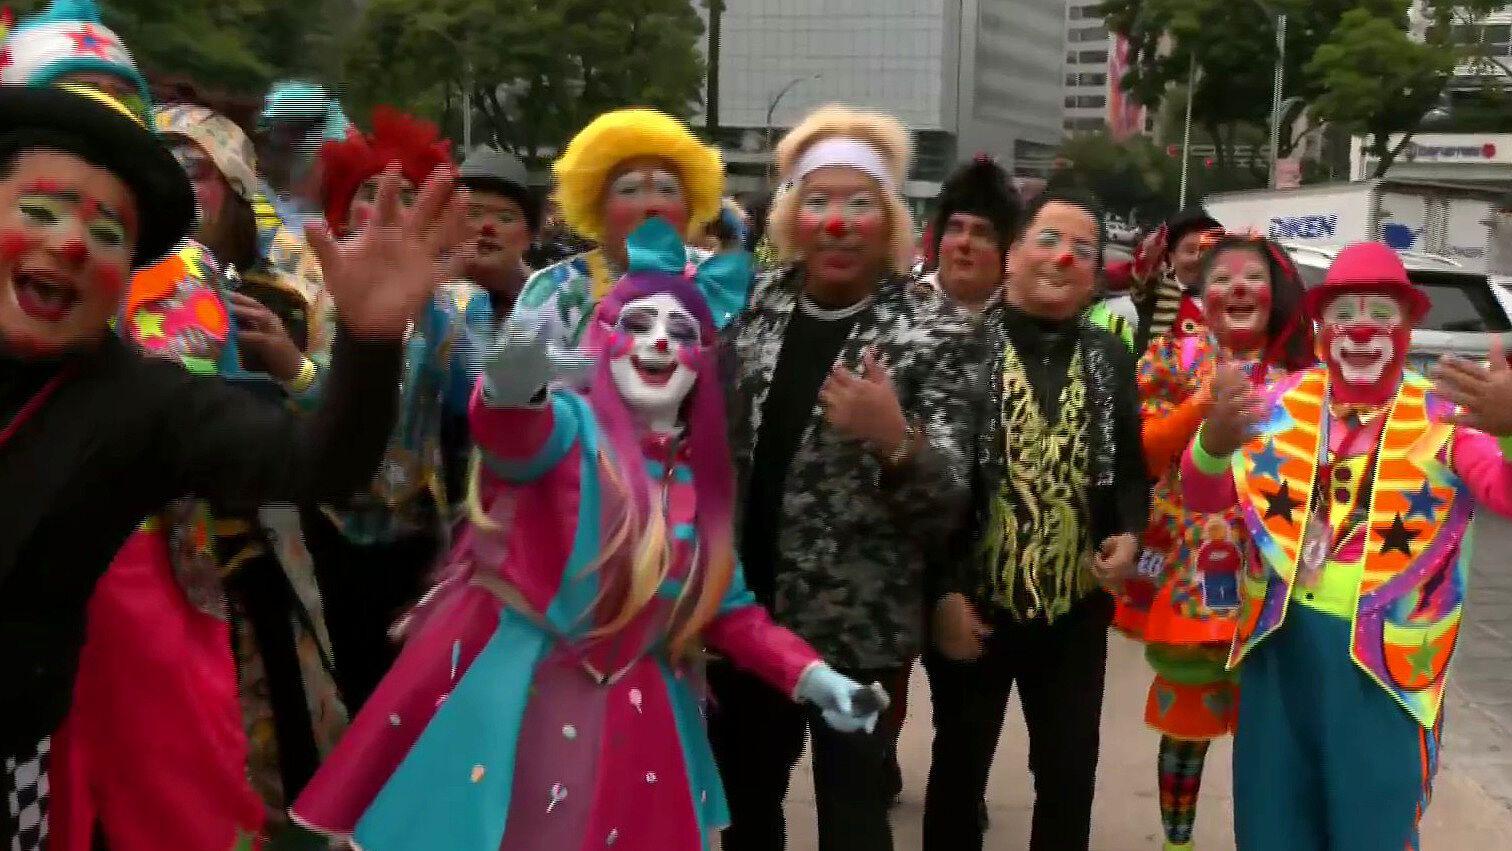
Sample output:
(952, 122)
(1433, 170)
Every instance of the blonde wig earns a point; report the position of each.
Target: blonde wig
(882, 132)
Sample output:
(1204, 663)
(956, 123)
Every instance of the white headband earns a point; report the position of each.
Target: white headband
(850, 153)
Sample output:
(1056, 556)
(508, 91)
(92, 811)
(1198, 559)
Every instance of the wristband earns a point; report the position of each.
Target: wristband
(1205, 461)
(305, 379)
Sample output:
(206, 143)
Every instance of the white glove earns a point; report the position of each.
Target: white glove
(524, 362)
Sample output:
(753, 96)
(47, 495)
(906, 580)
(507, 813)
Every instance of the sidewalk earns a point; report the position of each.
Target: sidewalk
(1126, 818)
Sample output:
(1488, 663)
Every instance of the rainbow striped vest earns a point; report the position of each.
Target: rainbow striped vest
(1417, 553)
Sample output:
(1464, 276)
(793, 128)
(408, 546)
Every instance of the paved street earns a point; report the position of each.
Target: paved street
(1472, 806)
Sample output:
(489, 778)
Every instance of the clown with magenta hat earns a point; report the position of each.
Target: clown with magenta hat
(1357, 481)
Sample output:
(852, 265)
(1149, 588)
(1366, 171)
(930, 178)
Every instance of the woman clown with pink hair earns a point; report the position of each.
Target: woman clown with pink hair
(549, 695)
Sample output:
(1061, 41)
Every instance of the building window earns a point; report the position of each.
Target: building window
(1075, 12)
(1086, 34)
(1087, 79)
(1084, 124)
(1093, 57)
(1498, 39)
(1087, 101)
(1070, 57)
(1071, 79)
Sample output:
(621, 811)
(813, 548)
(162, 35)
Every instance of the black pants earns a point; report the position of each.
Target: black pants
(365, 589)
(758, 734)
(1059, 669)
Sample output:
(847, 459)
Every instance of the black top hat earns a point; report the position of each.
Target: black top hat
(96, 128)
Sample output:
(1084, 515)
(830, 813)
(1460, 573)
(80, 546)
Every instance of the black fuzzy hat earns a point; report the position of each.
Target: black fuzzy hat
(980, 188)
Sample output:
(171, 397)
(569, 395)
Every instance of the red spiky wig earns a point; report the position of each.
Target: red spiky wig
(412, 142)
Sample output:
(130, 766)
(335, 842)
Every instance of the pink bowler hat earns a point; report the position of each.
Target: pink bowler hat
(1367, 267)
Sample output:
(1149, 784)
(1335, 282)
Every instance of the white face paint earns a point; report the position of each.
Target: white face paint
(1359, 332)
(647, 185)
(653, 377)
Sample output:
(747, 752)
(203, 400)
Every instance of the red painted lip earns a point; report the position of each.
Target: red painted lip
(655, 376)
(42, 296)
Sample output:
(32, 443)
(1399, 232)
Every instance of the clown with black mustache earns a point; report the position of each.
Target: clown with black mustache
(1357, 481)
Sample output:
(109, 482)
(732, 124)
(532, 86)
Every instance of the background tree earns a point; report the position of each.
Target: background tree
(1134, 178)
(1351, 62)
(532, 72)
(1233, 43)
(1379, 81)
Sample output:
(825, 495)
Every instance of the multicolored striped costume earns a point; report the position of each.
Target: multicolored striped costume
(1352, 602)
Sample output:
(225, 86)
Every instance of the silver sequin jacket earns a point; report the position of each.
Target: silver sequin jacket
(853, 542)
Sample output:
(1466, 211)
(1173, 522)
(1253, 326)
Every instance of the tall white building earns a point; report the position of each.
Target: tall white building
(1093, 99)
(1089, 49)
(964, 75)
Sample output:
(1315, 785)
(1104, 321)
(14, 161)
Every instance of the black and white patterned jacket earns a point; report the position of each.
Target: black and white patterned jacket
(851, 554)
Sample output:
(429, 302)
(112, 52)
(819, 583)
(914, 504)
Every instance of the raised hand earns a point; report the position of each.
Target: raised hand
(864, 406)
(381, 275)
(1237, 409)
(524, 362)
(1483, 393)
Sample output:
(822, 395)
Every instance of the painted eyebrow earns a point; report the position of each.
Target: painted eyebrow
(48, 189)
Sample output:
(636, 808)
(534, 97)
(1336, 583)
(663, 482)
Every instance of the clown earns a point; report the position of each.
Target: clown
(298, 117)
(1182, 602)
(623, 168)
(375, 546)
(546, 698)
(97, 436)
(157, 681)
(851, 410)
(66, 43)
(1356, 482)
(1164, 278)
(971, 229)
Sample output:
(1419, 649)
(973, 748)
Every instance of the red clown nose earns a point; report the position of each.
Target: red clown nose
(1065, 261)
(74, 252)
(1361, 333)
(835, 227)
(661, 345)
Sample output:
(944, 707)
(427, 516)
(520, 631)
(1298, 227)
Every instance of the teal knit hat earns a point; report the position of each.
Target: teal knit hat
(68, 38)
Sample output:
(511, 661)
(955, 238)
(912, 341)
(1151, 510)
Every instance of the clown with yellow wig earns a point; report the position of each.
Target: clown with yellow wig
(625, 167)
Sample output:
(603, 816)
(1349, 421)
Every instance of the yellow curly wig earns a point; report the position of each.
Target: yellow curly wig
(582, 169)
(883, 132)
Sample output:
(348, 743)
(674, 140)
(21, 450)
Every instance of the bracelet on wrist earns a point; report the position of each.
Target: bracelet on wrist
(305, 378)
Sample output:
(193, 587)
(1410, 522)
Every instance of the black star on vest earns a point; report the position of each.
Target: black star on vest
(1281, 503)
(1397, 537)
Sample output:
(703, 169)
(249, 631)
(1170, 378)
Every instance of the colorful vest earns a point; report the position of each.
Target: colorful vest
(1039, 534)
(1416, 551)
